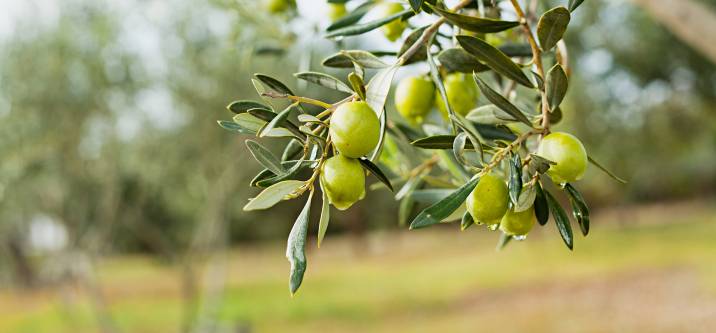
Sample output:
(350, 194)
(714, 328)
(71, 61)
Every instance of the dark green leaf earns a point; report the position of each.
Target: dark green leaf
(296, 247)
(269, 116)
(422, 53)
(347, 58)
(560, 219)
(490, 132)
(557, 84)
(551, 27)
(293, 148)
(438, 142)
(277, 121)
(475, 24)
(273, 84)
(243, 106)
(573, 4)
(541, 206)
(516, 50)
(324, 80)
(234, 127)
(459, 60)
(265, 157)
(415, 4)
(580, 211)
(352, 17)
(515, 183)
(494, 58)
(358, 29)
(443, 208)
(375, 170)
(291, 174)
(539, 164)
(467, 221)
(615, 177)
(501, 102)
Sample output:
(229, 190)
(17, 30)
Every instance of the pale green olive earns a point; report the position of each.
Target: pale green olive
(336, 11)
(395, 28)
(567, 152)
(488, 201)
(414, 97)
(354, 129)
(343, 179)
(518, 223)
(279, 6)
(462, 93)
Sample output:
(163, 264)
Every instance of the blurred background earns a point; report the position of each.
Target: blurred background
(120, 197)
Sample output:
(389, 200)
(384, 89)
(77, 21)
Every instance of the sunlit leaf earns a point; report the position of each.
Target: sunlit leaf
(324, 80)
(325, 216)
(379, 87)
(273, 195)
(265, 157)
(296, 247)
(358, 29)
(475, 24)
(352, 17)
(443, 208)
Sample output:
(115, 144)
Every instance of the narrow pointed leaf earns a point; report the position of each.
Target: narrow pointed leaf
(438, 142)
(573, 4)
(526, 199)
(459, 60)
(422, 53)
(357, 84)
(379, 87)
(609, 173)
(580, 210)
(273, 195)
(551, 27)
(415, 5)
(234, 127)
(358, 29)
(324, 80)
(557, 83)
(541, 206)
(501, 102)
(475, 24)
(347, 59)
(515, 182)
(561, 220)
(494, 58)
(265, 157)
(273, 84)
(277, 121)
(503, 241)
(296, 247)
(467, 221)
(325, 216)
(245, 105)
(351, 18)
(443, 208)
(375, 170)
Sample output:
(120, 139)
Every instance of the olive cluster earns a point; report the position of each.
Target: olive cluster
(416, 95)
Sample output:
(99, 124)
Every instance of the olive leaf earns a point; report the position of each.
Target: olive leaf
(273, 195)
(245, 105)
(541, 206)
(293, 148)
(503, 241)
(573, 4)
(491, 132)
(539, 164)
(352, 17)
(435, 75)
(375, 170)
(609, 173)
(378, 88)
(358, 29)
(466, 221)
(415, 5)
(501, 102)
(357, 84)
(278, 121)
(580, 211)
(557, 83)
(459, 60)
(475, 24)
(560, 219)
(422, 53)
(296, 247)
(551, 27)
(515, 178)
(265, 157)
(234, 127)
(325, 215)
(490, 115)
(526, 199)
(443, 208)
(273, 84)
(291, 173)
(438, 142)
(350, 58)
(273, 123)
(494, 58)
(324, 80)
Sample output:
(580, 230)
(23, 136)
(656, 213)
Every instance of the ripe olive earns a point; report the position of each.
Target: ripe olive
(567, 152)
(354, 129)
(343, 179)
(488, 201)
(462, 93)
(518, 223)
(395, 28)
(279, 6)
(414, 97)
(336, 10)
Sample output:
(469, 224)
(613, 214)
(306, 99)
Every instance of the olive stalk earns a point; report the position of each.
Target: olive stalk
(537, 60)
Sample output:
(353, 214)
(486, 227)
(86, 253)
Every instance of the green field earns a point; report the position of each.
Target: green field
(649, 270)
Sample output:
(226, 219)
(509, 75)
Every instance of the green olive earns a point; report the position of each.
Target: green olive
(414, 97)
(354, 129)
(488, 201)
(395, 28)
(343, 179)
(336, 11)
(462, 93)
(567, 152)
(518, 223)
(279, 6)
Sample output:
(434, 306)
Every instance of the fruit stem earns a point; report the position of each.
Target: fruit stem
(536, 59)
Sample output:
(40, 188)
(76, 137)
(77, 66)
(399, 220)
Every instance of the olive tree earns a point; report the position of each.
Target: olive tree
(489, 160)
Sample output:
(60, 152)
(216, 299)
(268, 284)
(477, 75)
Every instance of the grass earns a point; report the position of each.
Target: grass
(654, 274)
